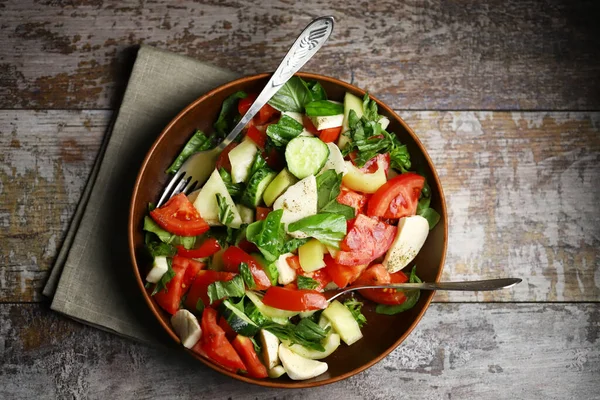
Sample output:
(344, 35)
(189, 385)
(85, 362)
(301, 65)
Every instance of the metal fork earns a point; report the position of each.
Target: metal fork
(197, 168)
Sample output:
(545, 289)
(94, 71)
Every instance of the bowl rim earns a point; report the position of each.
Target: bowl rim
(132, 226)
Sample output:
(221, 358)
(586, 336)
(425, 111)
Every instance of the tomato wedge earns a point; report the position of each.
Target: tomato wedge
(200, 286)
(229, 332)
(223, 160)
(266, 114)
(378, 275)
(180, 217)
(245, 103)
(309, 126)
(257, 136)
(294, 263)
(214, 344)
(294, 300)
(234, 256)
(330, 135)
(353, 199)
(245, 350)
(321, 276)
(186, 271)
(398, 197)
(366, 240)
(262, 212)
(209, 247)
(342, 275)
(274, 159)
(379, 161)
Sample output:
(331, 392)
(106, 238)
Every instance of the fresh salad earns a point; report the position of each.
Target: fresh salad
(316, 195)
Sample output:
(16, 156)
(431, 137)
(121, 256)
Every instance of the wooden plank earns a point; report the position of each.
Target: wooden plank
(521, 191)
(466, 351)
(427, 54)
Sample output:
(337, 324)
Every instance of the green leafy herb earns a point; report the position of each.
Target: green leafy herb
(258, 164)
(327, 228)
(228, 114)
(284, 130)
(257, 347)
(166, 278)
(157, 249)
(412, 296)
(307, 333)
(254, 314)
(247, 275)
(234, 189)
(304, 282)
(316, 91)
(198, 142)
(370, 109)
(323, 108)
(328, 189)
(268, 235)
(355, 306)
(225, 212)
(186, 241)
(222, 289)
(291, 245)
(292, 96)
(431, 216)
(166, 237)
(199, 306)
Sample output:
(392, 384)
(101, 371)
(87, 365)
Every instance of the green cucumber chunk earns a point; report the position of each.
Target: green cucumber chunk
(238, 321)
(256, 186)
(282, 181)
(306, 156)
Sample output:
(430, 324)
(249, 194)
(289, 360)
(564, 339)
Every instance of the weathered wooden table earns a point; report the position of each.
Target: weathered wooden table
(503, 95)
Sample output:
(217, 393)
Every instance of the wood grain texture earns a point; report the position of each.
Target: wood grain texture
(522, 191)
(500, 351)
(427, 54)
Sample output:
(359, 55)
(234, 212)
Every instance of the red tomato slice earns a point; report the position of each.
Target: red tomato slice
(379, 161)
(294, 263)
(200, 286)
(170, 297)
(274, 159)
(266, 114)
(223, 160)
(229, 332)
(321, 276)
(398, 197)
(245, 103)
(258, 137)
(245, 349)
(342, 275)
(309, 126)
(262, 212)
(234, 256)
(180, 217)
(294, 300)
(247, 246)
(367, 239)
(214, 344)
(209, 247)
(330, 135)
(378, 275)
(352, 199)
(191, 270)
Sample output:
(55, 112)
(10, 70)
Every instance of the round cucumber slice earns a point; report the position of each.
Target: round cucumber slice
(306, 156)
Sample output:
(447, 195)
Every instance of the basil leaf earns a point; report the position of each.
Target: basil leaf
(247, 276)
(423, 204)
(292, 96)
(337, 208)
(268, 235)
(234, 189)
(258, 163)
(370, 109)
(412, 297)
(199, 305)
(166, 278)
(316, 91)
(307, 333)
(157, 249)
(225, 213)
(327, 228)
(226, 120)
(166, 237)
(198, 142)
(328, 189)
(304, 282)
(291, 245)
(284, 130)
(323, 108)
(355, 306)
(431, 216)
(222, 289)
(186, 241)
(257, 347)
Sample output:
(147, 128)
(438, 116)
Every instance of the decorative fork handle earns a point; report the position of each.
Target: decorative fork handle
(306, 45)
(488, 284)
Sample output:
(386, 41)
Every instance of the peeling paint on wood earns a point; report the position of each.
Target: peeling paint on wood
(414, 55)
(500, 351)
(521, 190)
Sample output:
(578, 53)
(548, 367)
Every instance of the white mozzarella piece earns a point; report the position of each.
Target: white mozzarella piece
(298, 201)
(159, 268)
(335, 160)
(187, 327)
(410, 237)
(328, 121)
(270, 348)
(286, 273)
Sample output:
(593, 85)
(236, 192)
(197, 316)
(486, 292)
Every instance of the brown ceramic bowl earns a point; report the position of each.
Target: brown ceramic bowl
(382, 333)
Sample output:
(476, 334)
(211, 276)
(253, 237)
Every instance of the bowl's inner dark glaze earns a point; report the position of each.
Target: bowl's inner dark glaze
(381, 332)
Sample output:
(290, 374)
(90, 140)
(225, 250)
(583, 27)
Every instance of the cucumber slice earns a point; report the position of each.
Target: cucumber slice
(282, 181)
(343, 322)
(351, 102)
(274, 314)
(256, 187)
(238, 321)
(276, 372)
(270, 268)
(330, 343)
(306, 156)
(241, 158)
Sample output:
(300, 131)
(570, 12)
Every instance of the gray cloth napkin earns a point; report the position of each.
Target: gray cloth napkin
(92, 280)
